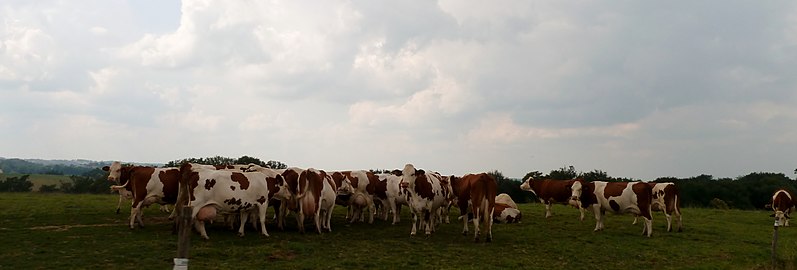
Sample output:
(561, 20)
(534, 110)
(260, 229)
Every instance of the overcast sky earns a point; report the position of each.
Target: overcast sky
(638, 89)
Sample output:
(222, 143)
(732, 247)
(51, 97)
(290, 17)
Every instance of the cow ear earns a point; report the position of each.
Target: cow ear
(786, 215)
(106, 168)
(419, 172)
(773, 215)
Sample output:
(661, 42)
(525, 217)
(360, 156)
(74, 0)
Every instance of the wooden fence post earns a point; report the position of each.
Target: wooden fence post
(183, 238)
(774, 243)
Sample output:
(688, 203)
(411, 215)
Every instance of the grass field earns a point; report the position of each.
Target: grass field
(59, 231)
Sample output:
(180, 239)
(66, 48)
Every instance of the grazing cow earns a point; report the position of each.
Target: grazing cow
(666, 200)
(316, 196)
(230, 192)
(147, 185)
(506, 211)
(782, 205)
(424, 194)
(617, 197)
(478, 191)
(363, 185)
(550, 191)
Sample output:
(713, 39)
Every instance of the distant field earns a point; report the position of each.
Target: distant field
(59, 231)
(39, 179)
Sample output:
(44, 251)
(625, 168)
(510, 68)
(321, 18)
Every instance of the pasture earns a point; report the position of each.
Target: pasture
(58, 231)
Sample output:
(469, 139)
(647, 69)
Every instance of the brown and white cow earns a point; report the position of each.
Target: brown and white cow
(424, 194)
(549, 191)
(506, 211)
(782, 205)
(147, 185)
(388, 191)
(232, 192)
(363, 190)
(617, 197)
(477, 191)
(666, 200)
(316, 196)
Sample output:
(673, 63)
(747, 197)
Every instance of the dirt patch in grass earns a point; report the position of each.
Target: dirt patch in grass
(282, 255)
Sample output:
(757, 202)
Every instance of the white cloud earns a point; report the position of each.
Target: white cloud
(27, 53)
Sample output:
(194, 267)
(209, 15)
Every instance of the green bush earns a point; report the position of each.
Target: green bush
(16, 184)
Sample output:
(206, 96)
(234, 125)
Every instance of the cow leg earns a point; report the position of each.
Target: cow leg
(476, 216)
(244, 216)
(261, 214)
(669, 221)
(317, 219)
(200, 227)
(649, 226)
(548, 209)
(371, 208)
(414, 221)
(391, 202)
(598, 218)
(119, 205)
(635, 219)
(428, 222)
(328, 218)
(397, 218)
(488, 221)
(677, 214)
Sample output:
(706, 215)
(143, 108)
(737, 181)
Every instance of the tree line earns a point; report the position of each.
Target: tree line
(752, 191)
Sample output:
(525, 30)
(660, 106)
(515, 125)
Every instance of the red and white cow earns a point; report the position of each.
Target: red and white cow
(231, 192)
(316, 196)
(506, 211)
(550, 191)
(477, 191)
(617, 197)
(363, 190)
(147, 185)
(782, 204)
(424, 194)
(666, 200)
(388, 191)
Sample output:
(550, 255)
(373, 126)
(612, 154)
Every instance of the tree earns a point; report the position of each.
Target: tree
(532, 175)
(564, 173)
(596, 175)
(248, 160)
(276, 165)
(16, 184)
(510, 186)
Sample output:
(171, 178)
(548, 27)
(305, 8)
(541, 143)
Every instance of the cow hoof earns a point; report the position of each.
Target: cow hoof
(489, 239)
(240, 235)
(117, 211)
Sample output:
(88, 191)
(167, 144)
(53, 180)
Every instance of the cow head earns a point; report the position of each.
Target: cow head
(780, 217)
(579, 192)
(408, 176)
(282, 192)
(527, 186)
(346, 187)
(114, 171)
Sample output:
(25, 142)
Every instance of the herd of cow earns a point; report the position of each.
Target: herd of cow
(243, 192)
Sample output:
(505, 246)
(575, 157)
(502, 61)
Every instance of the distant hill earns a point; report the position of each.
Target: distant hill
(54, 167)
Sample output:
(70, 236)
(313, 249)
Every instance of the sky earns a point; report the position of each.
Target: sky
(637, 89)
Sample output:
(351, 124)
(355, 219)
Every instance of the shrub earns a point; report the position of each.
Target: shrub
(719, 204)
(16, 184)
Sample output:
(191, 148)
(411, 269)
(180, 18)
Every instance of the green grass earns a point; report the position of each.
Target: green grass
(81, 231)
(39, 179)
